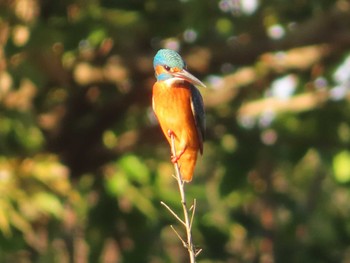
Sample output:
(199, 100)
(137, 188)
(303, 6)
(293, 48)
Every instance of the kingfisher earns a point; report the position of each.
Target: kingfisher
(179, 108)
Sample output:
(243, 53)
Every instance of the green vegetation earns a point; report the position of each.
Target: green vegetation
(83, 163)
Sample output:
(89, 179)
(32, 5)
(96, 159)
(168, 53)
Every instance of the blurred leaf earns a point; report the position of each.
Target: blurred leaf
(4, 218)
(142, 202)
(48, 170)
(83, 163)
(20, 222)
(135, 168)
(341, 166)
(97, 36)
(48, 203)
(117, 183)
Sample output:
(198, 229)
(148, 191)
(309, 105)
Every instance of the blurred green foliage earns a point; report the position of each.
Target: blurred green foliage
(84, 166)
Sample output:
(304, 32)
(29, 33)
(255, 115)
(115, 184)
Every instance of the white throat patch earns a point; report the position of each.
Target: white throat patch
(174, 80)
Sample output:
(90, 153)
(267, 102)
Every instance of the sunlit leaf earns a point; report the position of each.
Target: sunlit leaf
(48, 203)
(117, 183)
(341, 166)
(97, 36)
(135, 168)
(142, 202)
(4, 219)
(20, 222)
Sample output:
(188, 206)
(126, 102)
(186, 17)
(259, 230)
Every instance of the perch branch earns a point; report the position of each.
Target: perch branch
(173, 213)
(188, 220)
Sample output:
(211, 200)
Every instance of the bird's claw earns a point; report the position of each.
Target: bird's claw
(174, 159)
(171, 133)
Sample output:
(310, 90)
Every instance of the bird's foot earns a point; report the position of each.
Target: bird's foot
(175, 158)
(171, 133)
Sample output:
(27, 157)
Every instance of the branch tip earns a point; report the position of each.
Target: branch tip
(187, 222)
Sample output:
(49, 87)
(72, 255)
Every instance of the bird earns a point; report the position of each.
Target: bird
(178, 106)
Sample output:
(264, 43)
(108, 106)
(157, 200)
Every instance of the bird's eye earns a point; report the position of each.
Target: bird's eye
(167, 68)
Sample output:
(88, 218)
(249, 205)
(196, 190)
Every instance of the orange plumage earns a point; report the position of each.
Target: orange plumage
(179, 109)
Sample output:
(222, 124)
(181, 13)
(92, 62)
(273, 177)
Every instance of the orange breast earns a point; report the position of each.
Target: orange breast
(172, 105)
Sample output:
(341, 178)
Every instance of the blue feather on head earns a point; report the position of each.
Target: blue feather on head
(169, 65)
(170, 58)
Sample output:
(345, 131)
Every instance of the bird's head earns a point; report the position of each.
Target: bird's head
(169, 65)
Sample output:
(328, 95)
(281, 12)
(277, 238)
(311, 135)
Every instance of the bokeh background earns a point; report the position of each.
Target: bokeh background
(83, 163)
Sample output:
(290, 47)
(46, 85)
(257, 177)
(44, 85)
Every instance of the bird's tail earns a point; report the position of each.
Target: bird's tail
(187, 163)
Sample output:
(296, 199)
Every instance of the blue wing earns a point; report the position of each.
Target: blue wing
(197, 106)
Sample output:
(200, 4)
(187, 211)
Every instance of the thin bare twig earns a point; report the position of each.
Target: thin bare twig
(193, 208)
(178, 235)
(173, 213)
(198, 252)
(187, 222)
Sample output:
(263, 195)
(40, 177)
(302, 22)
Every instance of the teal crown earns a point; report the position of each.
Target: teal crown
(170, 58)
